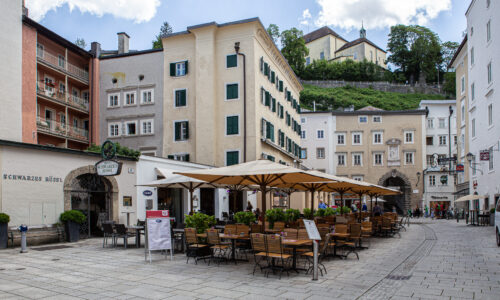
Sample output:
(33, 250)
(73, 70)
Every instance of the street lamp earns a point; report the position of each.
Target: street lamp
(472, 164)
(469, 157)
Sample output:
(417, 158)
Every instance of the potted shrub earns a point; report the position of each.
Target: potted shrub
(345, 210)
(200, 221)
(245, 217)
(320, 212)
(329, 212)
(275, 215)
(308, 213)
(292, 215)
(492, 217)
(4, 230)
(72, 220)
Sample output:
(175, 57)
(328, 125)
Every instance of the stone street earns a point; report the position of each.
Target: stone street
(433, 259)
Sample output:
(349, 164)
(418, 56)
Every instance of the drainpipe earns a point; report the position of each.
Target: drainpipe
(237, 49)
(449, 139)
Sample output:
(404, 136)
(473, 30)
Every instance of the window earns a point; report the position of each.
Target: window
(363, 119)
(130, 98)
(430, 123)
(179, 68)
(488, 2)
(462, 85)
(490, 162)
(181, 130)
(463, 111)
(442, 140)
(341, 159)
(320, 153)
(322, 55)
(377, 137)
(130, 128)
(61, 61)
(232, 158)
(356, 138)
(114, 100)
(377, 119)
(430, 160)
(147, 127)
(231, 91)
(429, 141)
(490, 115)
(147, 97)
(75, 122)
(442, 123)
(308, 61)
(355, 55)
(489, 73)
(232, 123)
(473, 127)
(409, 158)
(472, 56)
(231, 61)
(408, 137)
(455, 140)
(303, 153)
(180, 98)
(378, 159)
(472, 92)
(62, 117)
(432, 180)
(114, 129)
(341, 139)
(357, 159)
(303, 134)
(39, 50)
(320, 134)
(488, 31)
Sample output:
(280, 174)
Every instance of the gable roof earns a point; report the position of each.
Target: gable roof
(370, 108)
(319, 33)
(359, 41)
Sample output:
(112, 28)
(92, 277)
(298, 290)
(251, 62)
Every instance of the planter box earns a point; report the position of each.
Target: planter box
(72, 231)
(4, 235)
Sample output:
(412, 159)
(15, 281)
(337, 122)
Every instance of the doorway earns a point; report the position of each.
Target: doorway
(171, 199)
(207, 199)
(235, 201)
(396, 201)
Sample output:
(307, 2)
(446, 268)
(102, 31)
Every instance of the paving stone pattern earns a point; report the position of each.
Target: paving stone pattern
(436, 260)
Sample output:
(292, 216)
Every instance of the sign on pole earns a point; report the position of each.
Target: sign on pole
(313, 233)
(158, 233)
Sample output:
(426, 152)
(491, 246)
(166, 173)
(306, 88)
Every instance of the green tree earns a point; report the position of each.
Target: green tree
(80, 42)
(274, 32)
(294, 49)
(120, 150)
(415, 50)
(449, 86)
(164, 30)
(448, 50)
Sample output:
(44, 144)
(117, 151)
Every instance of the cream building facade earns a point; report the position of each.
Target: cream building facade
(326, 44)
(377, 146)
(222, 107)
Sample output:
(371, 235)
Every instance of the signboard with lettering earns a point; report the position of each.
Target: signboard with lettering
(147, 193)
(108, 168)
(312, 230)
(446, 160)
(484, 155)
(158, 232)
(460, 168)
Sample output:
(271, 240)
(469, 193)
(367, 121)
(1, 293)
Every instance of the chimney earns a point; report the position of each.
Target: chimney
(95, 49)
(123, 39)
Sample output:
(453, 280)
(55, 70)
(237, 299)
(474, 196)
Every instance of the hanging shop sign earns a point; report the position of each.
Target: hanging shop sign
(484, 155)
(108, 166)
(460, 168)
(147, 193)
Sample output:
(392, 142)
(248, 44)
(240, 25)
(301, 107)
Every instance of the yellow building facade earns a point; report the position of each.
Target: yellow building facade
(222, 107)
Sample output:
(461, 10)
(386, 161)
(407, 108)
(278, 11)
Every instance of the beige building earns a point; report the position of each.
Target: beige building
(229, 96)
(377, 146)
(460, 64)
(325, 43)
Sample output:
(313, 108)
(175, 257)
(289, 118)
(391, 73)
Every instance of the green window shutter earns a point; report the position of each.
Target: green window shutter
(273, 77)
(266, 69)
(186, 66)
(262, 64)
(170, 156)
(232, 91)
(232, 158)
(231, 61)
(177, 131)
(298, 108)
(274, 105)
(183, 98)
(288, 96)
(186, 157)
(268, 99)
(269, 74)
(172, 69)
(281, 86)
(232, 125)
(272, 133)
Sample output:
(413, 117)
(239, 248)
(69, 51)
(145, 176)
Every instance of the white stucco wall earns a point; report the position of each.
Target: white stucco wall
(311, 123)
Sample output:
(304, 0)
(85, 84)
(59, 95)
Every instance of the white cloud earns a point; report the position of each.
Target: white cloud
(135, 10)
(306, 17)
(377, 14)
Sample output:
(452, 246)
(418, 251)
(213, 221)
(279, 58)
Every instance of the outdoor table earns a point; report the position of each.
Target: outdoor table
(233, 238)
(138, 230)
(335, 236)
(294, 244)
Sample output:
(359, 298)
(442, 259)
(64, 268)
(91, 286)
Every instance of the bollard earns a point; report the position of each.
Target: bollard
(23, 229)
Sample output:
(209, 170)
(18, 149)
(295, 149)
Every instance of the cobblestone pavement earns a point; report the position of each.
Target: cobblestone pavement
(432, 260)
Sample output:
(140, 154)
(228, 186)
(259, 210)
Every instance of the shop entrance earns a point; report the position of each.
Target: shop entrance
(235, 201)
(91, 194)
(440, 208)
(398, 181)
(207, 199)
(171, 199)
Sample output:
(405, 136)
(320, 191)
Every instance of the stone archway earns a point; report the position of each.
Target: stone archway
(405, 203)
(90, 170)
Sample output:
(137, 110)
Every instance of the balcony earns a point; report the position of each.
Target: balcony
(61, 130)
(48, 90)
(63, 65)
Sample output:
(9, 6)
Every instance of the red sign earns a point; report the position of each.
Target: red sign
(484, 155)
(460, 168)
(157, 214)
(474, 183)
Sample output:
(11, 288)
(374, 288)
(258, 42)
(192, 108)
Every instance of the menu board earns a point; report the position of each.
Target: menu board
(312, 230)
(158, 235)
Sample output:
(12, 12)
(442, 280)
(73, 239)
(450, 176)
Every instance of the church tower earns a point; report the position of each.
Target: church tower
(362, 32)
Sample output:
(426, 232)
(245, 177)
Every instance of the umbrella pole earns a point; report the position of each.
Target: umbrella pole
(312, 201)
(263, 191)
(191, 193)
(360, 206)
(371, 206)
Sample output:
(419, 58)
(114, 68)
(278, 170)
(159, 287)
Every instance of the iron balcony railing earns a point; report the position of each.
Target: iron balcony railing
(61, 63)
(61, 129)
(48, 90)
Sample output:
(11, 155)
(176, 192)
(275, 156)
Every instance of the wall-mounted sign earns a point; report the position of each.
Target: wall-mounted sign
(127, 201)
(484, 155)
(446, 160)
(51, 179)
(108, 168)
(147, 193)
(460, 168)
(474, 184)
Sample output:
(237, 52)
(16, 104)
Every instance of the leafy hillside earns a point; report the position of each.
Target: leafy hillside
(333, 98)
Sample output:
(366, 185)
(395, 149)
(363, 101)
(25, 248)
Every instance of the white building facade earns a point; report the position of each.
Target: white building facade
(440, 142)
(317, 138)
(483, 23)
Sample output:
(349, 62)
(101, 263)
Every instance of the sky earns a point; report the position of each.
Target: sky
(100, 20)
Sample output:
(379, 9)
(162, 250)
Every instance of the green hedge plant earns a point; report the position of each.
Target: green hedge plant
(200, 221)
(275, 215)
(329, 212)
(292, 215)
(73, 216)
(308, 213)
(4, 218)
(245, 217)
(320, 212)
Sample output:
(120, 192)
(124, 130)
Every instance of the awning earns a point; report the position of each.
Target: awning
(470, 197)
(164, 172)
